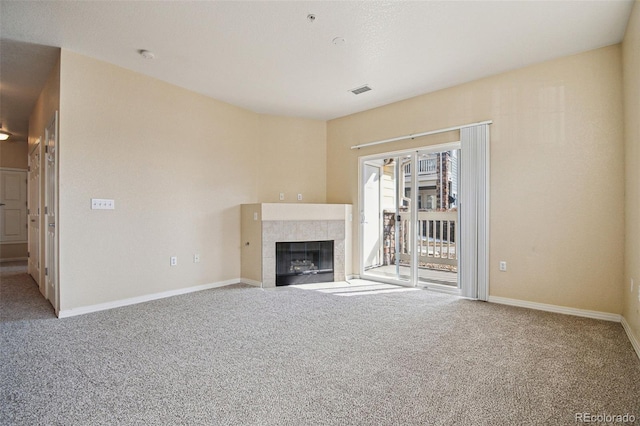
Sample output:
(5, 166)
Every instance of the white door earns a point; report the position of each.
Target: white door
(34, 214)
(372, 243)
(50, 209)
(13, 206)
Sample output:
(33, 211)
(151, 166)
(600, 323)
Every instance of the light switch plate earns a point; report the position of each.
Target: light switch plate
(102, 204)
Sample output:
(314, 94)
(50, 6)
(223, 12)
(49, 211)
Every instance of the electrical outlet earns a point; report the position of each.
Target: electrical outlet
(196, 258)
(299, 197)
(503, 266)
(282, 196)
(255, 216)
(174, 260)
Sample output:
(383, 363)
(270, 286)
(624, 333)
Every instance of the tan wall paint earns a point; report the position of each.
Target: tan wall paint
(47, 104)
(13, 154)
(251, 238)
(292, 158)
(178, 165)
(631, 74)
(557, 185)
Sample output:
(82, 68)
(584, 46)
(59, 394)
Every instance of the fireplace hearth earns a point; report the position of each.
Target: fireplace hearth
(303, 262)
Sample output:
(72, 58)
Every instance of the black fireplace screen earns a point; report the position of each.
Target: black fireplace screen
(304, 262)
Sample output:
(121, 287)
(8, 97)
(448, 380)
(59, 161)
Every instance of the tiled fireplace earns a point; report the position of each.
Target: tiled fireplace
(264, 225)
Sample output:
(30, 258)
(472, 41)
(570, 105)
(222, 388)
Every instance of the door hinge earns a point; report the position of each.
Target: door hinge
(28, 211)
(46, 271)
(29, 168)
(28, 254)
(46, 149)
(45, 210)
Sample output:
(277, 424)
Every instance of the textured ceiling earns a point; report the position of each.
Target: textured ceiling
(267, 57)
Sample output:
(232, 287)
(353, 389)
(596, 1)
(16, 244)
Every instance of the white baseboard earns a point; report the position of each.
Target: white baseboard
(632, 337)
(250, 282)
(14, 259)
(557, 309)
(141, 299)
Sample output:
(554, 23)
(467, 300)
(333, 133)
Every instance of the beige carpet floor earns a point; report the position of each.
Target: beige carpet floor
(239, 355)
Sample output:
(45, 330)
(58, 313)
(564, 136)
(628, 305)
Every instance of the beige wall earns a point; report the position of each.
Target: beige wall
(557, 185)
(178, 166)
(13, 154)
(251, 238)
(48, 103)
(631, 73)
(291, 158)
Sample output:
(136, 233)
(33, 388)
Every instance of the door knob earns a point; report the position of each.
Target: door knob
(1, 204)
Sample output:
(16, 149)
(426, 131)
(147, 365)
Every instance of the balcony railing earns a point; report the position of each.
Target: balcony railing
(425, 167)
(437, 234)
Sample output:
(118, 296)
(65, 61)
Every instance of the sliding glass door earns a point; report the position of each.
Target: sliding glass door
(409, 217)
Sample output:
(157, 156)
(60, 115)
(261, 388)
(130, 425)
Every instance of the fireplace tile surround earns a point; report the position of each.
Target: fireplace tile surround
(263, 225)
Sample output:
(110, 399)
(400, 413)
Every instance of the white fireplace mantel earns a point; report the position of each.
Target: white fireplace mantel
(265, 224)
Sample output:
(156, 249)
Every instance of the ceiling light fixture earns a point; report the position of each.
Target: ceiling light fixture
(4, 135)
(147, 54)
(311, 18)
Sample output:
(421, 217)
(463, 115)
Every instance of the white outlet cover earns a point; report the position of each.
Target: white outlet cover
(174, 260)
(299, 197)
(281, 196)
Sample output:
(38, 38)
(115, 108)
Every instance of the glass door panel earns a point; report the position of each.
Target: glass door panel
(386, 219)
(404, 227)
(437, 218)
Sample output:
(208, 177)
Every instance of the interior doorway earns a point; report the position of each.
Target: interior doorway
(409, 217)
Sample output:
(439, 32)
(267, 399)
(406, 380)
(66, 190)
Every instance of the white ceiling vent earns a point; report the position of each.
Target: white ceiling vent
(361, 89)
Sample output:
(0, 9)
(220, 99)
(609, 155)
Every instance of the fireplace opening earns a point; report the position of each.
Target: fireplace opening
(304, 262)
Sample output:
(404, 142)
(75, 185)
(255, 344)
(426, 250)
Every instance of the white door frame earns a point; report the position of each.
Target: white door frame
(366, 218)
(35, 222)
(51, 213)
(18, 176)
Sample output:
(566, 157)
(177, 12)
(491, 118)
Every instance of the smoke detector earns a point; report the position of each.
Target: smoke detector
(147, 54)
